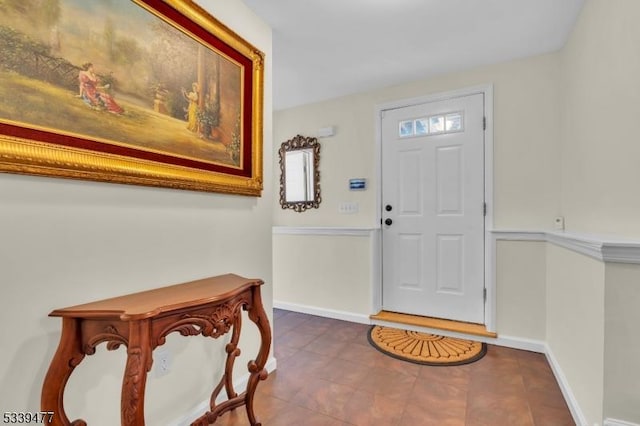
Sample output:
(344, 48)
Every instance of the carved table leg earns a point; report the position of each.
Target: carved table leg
(68, 355)
(256, 368)
(135, 374)
(232, 353)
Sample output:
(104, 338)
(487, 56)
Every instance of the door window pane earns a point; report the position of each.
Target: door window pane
(436, 124)
(453, 122)
(406, 128)
(432, 125)
(422, 126)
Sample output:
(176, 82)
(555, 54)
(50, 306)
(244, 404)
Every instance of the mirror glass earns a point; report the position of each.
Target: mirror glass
(300, 177)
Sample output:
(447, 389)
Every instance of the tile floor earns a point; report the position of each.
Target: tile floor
(328, 374)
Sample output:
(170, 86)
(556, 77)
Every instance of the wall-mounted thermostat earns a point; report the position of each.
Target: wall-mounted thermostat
(358, 184)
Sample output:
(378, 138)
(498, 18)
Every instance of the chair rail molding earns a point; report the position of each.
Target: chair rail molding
(601, 247)
(323, 230)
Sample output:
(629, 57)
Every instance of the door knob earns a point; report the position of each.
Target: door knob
(388, 207)
(388, 222)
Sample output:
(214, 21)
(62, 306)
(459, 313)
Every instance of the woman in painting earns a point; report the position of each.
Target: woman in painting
(93, 94)
(192, 111)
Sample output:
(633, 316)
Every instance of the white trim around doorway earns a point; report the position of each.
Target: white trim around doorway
(489, 244)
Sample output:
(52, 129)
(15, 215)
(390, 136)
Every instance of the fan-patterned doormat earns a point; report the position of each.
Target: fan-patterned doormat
(425, 348)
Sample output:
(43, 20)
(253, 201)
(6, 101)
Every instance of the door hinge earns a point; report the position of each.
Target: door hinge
(484, 209)
(484, 294)
(484, 123)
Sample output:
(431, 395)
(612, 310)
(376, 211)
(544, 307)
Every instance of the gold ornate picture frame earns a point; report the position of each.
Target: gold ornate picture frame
(144, 92)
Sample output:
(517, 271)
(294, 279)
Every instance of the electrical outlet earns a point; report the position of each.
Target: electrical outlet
(162, 362)
(558, 223)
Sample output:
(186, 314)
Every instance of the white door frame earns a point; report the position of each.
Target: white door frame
(489, 244)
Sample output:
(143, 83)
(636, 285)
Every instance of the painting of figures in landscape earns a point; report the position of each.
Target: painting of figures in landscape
(114, 72)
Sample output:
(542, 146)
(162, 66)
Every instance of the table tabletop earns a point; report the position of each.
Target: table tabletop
(151, 303)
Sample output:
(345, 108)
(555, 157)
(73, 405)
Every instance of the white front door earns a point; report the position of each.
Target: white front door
(433, 209)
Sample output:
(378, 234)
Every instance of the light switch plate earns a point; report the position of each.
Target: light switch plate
(348, 207)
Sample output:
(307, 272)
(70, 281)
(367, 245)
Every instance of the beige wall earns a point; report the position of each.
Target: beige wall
(65, 242)
(600, 125)
(575, 325)
(324, 271)
(348, 154)
(622, 345)
(526, 150)
(521, 289)
(599, 166)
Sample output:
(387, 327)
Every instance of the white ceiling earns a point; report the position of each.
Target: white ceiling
(328, 48)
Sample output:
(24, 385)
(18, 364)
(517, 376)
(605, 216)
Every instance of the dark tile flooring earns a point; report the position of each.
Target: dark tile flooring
(329, 374)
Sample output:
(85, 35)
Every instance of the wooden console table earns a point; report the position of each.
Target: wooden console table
(141, 322)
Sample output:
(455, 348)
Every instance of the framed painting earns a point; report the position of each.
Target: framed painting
(144, 92)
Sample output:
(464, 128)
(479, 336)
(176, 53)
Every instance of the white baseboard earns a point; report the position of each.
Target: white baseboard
(507, 341)
(614, 422)
(240, 385)
(519, 343)
(569, 397)
(322, 312)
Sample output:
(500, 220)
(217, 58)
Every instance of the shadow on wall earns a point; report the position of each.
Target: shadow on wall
(35, 352)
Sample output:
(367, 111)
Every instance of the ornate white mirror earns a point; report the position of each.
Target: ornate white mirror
(299, 174)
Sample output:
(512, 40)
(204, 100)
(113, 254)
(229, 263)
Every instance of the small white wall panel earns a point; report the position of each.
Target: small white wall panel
(449, 180)
(410, 260)
(410, 180)
(450, 264)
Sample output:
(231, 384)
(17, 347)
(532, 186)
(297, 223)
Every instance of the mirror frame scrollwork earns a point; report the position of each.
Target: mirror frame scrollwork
(299, 143)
